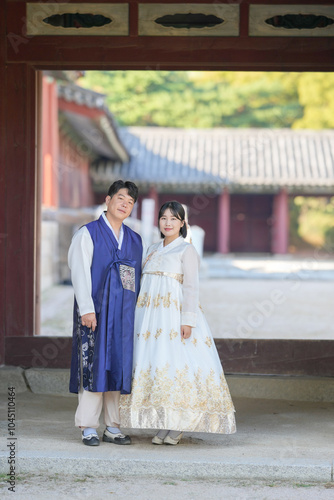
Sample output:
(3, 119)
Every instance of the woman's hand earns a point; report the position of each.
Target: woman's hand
(185, 331)
(89, 320)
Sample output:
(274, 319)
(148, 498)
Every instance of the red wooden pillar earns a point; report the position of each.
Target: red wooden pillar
(3, 234)
(18, 245)
(280, 234)
(223, 230)
(50, 143)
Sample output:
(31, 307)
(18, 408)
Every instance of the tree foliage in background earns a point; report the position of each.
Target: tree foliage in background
(202, 99)
(312, 222)
(316, 95)
(198, 99)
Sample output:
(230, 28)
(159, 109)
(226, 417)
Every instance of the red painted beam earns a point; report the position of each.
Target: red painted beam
(79, 109)
(134, 52)
(157, 53)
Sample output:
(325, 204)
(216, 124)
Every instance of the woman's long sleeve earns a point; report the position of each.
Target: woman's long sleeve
(190, 287)
(80, 257)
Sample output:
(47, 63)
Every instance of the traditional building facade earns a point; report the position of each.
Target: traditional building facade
(236, 183)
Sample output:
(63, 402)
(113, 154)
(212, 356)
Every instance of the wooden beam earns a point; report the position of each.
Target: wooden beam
(263, 357)
(277, 357)
(38, 352)
(241, 52)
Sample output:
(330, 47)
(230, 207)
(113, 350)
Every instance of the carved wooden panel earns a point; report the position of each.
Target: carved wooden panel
(291, 20)
(59, 19)
(188, 20)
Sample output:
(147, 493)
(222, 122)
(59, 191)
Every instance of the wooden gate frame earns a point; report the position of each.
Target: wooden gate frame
(21, 56)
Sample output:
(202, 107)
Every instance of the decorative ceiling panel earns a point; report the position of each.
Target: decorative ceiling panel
(291, 20)
(188, 19)
(59, 19)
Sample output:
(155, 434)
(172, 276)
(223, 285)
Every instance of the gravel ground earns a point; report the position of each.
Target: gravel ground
(99, 488)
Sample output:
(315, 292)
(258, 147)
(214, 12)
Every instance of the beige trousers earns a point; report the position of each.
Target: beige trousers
(90, 408)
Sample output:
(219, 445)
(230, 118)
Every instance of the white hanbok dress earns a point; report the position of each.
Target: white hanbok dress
(178, 383)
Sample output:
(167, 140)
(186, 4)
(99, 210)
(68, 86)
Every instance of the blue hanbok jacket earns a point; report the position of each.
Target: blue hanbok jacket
(106, 354)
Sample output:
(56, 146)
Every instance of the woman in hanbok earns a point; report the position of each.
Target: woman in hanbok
(178, 382)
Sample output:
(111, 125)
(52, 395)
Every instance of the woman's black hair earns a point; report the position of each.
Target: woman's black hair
(178, 211)
(130, 186)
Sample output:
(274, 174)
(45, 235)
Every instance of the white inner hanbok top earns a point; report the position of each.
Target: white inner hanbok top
(178, 383)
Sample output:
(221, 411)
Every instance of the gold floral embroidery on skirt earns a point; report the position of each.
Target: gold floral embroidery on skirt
(160, 393)
(180, 391)
(146, 335)
(173, 334)
(144, 300)
(165, 300)
(176, 304)
(159, 332)
(208, 341)
(157, 300)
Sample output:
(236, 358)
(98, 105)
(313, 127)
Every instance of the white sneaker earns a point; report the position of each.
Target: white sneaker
(157, 440)
(160, 436)
(169, 440)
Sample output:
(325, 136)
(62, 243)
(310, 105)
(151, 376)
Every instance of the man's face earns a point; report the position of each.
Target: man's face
(120, 205)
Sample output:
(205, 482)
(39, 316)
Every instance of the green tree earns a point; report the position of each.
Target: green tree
(316, 95)
(199, 99)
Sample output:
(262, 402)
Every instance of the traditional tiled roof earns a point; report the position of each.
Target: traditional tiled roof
(99, 134)
(243, 159)
(81, 96)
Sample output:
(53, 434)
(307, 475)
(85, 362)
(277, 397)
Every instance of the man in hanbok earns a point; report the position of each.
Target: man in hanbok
(105, 261)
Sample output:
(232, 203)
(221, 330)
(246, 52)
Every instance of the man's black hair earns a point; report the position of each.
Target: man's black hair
(130, 186)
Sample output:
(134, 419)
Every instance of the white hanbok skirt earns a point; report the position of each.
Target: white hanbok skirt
(178, 384)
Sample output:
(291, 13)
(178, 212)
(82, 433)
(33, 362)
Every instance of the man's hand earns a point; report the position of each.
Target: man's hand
(89, 320)
(185, 331)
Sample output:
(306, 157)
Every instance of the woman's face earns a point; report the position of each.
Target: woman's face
(170, 225)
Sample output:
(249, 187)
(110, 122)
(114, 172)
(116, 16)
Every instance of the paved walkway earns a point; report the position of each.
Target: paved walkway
(274, 440)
